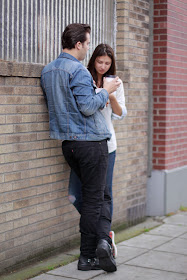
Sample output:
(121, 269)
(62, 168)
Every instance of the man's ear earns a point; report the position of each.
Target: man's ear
(78, 45)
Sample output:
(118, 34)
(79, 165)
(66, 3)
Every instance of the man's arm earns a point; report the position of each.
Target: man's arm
(82, 87)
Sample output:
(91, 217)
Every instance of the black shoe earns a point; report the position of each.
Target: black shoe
(104, 254)
(86, 264)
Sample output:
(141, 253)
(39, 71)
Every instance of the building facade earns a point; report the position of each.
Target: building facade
(167, 185)
(149, 38)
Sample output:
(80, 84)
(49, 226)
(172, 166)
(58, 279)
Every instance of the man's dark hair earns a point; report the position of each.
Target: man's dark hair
(73, 33)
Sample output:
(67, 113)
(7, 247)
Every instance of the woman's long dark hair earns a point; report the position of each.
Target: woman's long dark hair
(102, 50)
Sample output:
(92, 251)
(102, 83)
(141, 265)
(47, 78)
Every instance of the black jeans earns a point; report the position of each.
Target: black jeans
(89, 161)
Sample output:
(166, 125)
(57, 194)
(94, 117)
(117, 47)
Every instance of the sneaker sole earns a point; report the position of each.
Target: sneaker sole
(83, 268)
(105, 260)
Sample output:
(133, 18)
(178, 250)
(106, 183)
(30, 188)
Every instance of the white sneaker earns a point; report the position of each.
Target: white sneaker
(114, 248)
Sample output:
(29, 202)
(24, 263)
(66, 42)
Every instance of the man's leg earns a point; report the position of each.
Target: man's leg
(96, 206)
(89, 161)
(75, 185)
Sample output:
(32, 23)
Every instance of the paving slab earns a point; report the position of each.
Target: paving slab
(177, 245)
(146, 241)
(126, 272)
(51, 277)
(71, 271)
(73, 252)
(126, 253)
(162, 261)
(178, 219)
(160, 254)
(184, 236)
(169, 230)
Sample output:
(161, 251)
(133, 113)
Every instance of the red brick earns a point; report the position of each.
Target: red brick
(160, 7)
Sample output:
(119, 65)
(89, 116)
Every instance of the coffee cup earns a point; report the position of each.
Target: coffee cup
(109, 78)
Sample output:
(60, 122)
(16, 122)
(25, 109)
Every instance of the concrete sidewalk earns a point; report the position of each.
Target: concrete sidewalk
(160, 254)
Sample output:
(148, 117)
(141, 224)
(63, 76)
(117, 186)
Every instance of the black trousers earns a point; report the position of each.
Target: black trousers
(89, 160)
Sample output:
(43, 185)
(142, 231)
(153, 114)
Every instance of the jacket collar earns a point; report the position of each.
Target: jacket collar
(68, 56)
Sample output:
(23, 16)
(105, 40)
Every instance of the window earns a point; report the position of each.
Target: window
(30, 30)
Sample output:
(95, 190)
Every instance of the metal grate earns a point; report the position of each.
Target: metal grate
(30, 30)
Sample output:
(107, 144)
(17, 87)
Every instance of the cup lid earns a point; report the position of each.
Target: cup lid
(110, 76)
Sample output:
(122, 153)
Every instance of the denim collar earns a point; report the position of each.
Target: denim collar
(68, 56)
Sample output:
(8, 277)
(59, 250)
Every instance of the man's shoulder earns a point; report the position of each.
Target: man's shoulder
(65, 64)
(82, 69)
(48, 67)
(72, 67)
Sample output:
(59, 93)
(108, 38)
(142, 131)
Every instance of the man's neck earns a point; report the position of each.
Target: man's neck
(72, 52)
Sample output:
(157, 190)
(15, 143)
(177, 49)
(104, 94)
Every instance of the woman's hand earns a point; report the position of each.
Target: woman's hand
(112, 85)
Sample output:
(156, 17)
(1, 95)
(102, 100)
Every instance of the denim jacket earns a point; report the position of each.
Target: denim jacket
(72, 102)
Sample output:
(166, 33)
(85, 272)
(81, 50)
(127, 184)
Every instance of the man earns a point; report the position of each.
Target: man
(75, 118)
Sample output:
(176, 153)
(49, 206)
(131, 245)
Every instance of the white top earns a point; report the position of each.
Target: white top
(109, 115)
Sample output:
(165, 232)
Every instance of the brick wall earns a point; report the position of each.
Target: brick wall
(170, 84)
(34, 211)
(35, 214)
(132, 55)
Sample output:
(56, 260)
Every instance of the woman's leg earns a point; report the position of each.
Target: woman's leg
(75, 191)
(109, 177)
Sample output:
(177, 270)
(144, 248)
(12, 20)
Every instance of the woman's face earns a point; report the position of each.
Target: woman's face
(102, 64)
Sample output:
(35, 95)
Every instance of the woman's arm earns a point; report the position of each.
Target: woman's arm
(119, 110)
(116, 108)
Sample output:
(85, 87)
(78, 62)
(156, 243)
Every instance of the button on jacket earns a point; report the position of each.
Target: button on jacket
(72, 102)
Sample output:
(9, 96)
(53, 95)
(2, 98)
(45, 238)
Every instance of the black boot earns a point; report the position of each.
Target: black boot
(86, 264)
(104, 254)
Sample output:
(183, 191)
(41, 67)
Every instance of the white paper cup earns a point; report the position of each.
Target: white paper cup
(109, 78)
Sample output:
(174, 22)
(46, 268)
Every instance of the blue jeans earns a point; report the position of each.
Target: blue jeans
(75, 186)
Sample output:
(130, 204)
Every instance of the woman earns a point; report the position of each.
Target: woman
(101, 64)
